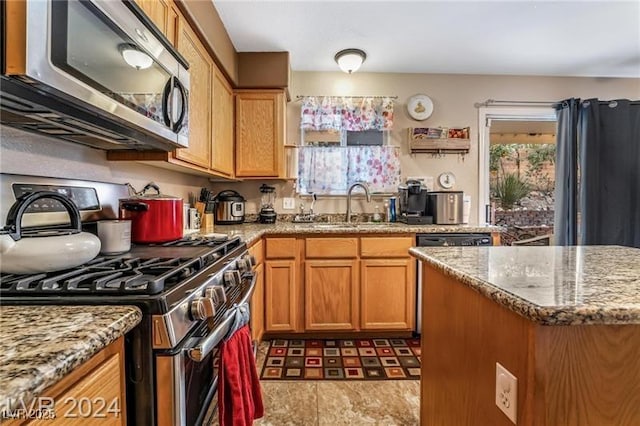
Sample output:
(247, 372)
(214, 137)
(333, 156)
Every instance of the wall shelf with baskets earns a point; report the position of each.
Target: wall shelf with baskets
(432, 140)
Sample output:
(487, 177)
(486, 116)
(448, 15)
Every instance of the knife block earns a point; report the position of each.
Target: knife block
(206, 218)
(206, 225)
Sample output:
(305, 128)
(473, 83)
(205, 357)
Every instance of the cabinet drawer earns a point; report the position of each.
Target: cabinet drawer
(332, 247)
(256, 250)
(385, 246)
(281, 248)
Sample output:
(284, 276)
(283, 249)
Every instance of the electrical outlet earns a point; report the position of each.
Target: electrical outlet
(288, 203)
(506, 392)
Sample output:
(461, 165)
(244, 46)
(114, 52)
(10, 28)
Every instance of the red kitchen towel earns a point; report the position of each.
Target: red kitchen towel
(239, 394)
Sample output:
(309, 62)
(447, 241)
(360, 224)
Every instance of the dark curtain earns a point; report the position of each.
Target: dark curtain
(566, 192)
(609, 153)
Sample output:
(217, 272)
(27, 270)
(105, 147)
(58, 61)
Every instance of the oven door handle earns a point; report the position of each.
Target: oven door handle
(204, 347)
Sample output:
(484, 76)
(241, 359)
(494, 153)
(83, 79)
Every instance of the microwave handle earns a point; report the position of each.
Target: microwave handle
(166, 102)
(183, 98)
(204, 347)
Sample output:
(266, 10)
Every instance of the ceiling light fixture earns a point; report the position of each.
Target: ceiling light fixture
(349, 60)
(134, 56)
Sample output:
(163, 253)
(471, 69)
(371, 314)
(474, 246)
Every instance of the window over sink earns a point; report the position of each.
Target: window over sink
(346, 140)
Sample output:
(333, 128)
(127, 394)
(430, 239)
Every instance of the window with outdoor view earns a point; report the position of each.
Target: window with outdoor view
(522, 183)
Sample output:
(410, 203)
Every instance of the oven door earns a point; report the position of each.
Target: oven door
(101, 53)
(184, 387)
(187, 376)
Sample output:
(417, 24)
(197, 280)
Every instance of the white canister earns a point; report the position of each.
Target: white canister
(466, 208)
(115, 236)
(185, 216)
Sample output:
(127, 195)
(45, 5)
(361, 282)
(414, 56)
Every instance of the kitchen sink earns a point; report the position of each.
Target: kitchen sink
(344, 225)
(333, 225)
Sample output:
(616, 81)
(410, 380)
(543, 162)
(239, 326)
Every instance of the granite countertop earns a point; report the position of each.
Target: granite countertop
(550, 285)
(250, 232)
(39, 345)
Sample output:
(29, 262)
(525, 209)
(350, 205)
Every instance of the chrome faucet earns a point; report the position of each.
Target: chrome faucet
(366, 191)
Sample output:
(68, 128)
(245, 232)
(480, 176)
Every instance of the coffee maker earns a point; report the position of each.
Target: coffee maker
(267, 211)
(414, 203)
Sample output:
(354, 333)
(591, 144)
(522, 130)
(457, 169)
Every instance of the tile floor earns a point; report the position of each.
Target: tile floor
(324, 403)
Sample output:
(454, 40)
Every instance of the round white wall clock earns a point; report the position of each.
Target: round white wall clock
(447, 180)
(420, 107)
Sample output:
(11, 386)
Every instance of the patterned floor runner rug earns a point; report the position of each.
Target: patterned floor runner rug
(348, 359)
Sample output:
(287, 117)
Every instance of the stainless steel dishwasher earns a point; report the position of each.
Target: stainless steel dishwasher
(442, 240)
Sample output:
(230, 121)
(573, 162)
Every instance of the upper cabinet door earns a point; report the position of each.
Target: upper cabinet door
(158, 11)
(223, 124)
(201, 76)
(259, 133)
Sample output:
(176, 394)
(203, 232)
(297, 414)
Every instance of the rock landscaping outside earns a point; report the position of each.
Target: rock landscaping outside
(522, 184)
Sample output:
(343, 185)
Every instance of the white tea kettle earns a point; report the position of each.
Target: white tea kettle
(29, 252)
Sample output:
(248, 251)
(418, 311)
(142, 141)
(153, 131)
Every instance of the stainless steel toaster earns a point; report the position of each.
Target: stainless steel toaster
(445, 207)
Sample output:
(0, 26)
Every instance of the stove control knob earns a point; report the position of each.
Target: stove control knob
(251, 259)
(202, 308)
(217, 294)
(232, 278)
(222, 295)
(244, 265)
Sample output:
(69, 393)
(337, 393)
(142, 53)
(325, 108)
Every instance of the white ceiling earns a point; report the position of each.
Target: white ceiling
(555, 38)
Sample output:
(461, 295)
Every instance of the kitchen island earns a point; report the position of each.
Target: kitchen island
(41, 346)
(565, 321)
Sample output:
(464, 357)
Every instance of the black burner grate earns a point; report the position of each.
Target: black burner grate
(119, 275)
(166, 272)
(198, 241)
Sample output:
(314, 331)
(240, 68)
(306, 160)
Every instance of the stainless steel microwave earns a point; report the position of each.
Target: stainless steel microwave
(95, 72)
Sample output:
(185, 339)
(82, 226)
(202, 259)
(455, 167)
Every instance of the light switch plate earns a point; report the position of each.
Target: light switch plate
(506, 392)
(288, 203)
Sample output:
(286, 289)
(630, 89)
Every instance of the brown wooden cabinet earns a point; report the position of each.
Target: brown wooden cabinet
(200, 105)
(223, 125)
(387, 294)
(387, 283)
(344, 283)
(283, 301)
(157, 11)
(331, 294)
(92, 394)
(281, 295)
(369, 284)
(260, 133)
(164, 14)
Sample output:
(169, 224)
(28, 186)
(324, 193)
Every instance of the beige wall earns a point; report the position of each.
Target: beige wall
(25, 153)
(453, 97)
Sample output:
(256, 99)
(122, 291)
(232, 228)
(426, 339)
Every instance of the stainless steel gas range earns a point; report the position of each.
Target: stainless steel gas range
(188, 291)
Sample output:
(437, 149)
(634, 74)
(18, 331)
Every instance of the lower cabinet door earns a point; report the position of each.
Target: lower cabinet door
(331, 295)
(387, 294)
(281, 295)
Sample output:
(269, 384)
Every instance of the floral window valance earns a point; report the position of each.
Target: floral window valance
(346, 113)
(331, 170)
